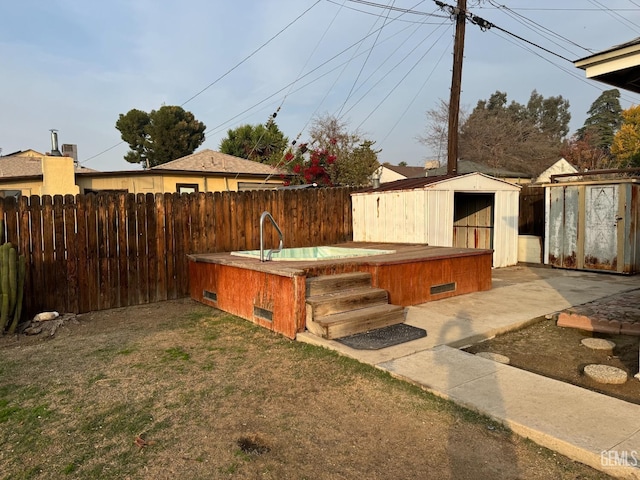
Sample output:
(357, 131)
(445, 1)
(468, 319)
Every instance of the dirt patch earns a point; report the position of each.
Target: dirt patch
(176, 390)
(558, 352)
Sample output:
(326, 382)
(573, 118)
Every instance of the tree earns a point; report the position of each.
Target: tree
(513, 136)
(160, 136)
(436, 131)
(353, 158)
(604, 120)
(626, 142)
(583, 153)
(260, 143)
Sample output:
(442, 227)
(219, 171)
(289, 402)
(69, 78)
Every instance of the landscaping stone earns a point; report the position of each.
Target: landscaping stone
(496, 357)
(606, 374)
(598, 343)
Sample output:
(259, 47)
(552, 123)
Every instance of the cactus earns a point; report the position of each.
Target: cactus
(22, 273)
(4, 284)
(12, 276)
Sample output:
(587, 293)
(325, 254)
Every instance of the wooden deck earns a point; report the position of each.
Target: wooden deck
(272, 294)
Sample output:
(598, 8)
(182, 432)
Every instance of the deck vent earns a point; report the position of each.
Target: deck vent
(263, 313)
(445, 287)
(210, 295)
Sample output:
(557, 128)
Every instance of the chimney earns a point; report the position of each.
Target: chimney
(54, 144)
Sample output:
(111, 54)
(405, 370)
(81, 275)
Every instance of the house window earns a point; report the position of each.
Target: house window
(10, 193)
(96, 192)
(187, 187)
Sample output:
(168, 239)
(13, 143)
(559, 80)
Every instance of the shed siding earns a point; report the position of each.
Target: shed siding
(425, 215)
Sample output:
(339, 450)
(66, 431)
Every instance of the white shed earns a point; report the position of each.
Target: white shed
(464, 211)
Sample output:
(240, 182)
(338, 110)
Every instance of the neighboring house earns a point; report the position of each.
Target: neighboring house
(467, 166)
(617, 66)
(205, 171)
(558, 168)
(33, 173)
(391, 173)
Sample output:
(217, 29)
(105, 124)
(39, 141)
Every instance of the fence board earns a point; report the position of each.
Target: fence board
(71, 243)
(112, 250)
(84, 301)
(48, 249)
(161, 250)
(59, 254)
(132, 250)
(102, 248)
(169, 200)
(93, 278)
(122, 264)
(152, 247)
(142, 265)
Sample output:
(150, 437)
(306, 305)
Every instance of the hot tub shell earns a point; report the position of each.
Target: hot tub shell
(273, 294)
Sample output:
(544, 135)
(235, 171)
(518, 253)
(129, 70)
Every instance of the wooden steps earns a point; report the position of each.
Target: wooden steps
(345, 304)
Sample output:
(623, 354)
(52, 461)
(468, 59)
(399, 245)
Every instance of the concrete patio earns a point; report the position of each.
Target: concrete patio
(547, 411)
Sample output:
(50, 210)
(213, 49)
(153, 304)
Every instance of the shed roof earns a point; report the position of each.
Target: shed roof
(212, 161)
(406, 171)
(420, 183)
(468, 166)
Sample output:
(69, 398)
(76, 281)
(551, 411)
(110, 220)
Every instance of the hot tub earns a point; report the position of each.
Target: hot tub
(314, 253)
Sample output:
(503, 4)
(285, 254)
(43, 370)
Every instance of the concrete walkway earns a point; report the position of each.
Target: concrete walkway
(589, 427)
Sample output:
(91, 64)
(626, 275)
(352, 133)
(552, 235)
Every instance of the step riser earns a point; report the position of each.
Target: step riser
(337, 283)
(379, 321)
(345, 304)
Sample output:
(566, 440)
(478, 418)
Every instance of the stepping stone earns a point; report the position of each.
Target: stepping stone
(496, 357)
(605, 374)
(598, 343)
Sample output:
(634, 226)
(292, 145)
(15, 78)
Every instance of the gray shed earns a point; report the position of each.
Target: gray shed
(593, 225)
(466, 211)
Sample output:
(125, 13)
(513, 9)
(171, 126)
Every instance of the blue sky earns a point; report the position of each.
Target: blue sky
(75, 65)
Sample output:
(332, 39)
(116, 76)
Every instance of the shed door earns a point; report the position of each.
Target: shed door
(473, 220)
(563, 226)
(601, 227)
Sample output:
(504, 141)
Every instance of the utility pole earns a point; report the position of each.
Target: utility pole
(456, 84)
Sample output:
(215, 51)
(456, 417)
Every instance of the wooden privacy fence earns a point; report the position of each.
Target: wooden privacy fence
(531, 217)
(95, 252)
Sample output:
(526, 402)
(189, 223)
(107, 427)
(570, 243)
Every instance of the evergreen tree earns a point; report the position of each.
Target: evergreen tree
(160, 136)
(260, 143)
(604, 120)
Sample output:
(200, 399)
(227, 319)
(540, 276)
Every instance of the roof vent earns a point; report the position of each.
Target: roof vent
(54, 144)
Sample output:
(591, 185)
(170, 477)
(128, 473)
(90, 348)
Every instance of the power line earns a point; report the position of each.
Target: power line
(251, 54)
(375, 41)
(223, 75)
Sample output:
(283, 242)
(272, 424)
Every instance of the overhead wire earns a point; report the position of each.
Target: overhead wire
(615, 15)
(221, 76)
(537, 28)
(398, 83)
(375, 41)
(392, 69)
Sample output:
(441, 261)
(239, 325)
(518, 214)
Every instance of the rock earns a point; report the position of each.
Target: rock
(44, 316)
(598, 343)
(496, 357)
(606, 374)
(32, 330)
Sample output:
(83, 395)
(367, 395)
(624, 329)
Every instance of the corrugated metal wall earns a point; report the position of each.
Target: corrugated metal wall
(425, 215)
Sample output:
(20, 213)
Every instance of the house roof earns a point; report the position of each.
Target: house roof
(415, 183)
(17, 165)
(467, 166)
(618, 66)
(407, 172)
(215, 162)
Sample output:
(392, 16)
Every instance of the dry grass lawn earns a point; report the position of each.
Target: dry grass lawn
(176, 390)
